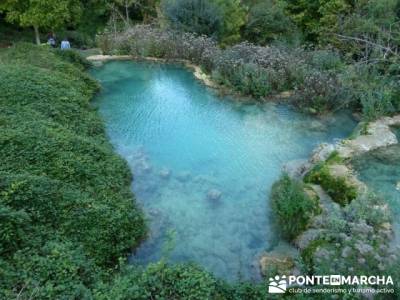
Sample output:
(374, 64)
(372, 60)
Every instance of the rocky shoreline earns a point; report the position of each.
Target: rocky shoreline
(197, 72)
(375, 135)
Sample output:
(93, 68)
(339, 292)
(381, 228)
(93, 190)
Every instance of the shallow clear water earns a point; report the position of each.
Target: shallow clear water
(380, 170)
(183, 142)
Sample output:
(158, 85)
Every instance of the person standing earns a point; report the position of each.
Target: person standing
(51, 40)
(65, 45)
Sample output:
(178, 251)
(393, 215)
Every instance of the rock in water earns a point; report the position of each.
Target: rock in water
(165, 173)
(183, 176)
(322, 152)
(398, 186)
(214, 194)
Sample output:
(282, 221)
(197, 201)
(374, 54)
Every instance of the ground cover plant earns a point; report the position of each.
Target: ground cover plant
(65, 196)
(290, 201)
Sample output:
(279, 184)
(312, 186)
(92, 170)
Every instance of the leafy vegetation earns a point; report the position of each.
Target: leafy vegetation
(268, 22)
(67, 211)
(49, 13)
(289, 201)
(355, 240)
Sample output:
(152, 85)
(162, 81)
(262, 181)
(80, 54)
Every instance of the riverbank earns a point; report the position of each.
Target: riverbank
(197, 71)
(352, 233)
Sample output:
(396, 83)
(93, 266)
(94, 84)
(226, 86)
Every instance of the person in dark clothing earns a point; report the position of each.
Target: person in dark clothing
(51, 40)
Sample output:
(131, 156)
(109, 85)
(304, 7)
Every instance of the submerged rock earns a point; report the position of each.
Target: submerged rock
(317, 126)
(398, 186)
(183, 176)
(165, 173)
(142, 166)
(214, 195)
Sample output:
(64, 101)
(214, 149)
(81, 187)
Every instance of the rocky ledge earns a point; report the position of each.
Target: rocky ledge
(377, 134)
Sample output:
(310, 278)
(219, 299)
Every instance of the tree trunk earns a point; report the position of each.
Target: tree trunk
(37, 34)
(127, 11)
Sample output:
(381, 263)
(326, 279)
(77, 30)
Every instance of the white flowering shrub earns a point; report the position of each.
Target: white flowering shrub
(355, 240)
(247, 68)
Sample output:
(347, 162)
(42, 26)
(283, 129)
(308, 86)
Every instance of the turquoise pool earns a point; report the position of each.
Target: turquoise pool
(380, 170)
(203, 165)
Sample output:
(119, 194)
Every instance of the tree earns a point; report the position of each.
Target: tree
(234, 18)
(221, 19)
(126, 4)
(267, 22)
(317, 17)
(49, 14)
(372, 30)
(199, 16)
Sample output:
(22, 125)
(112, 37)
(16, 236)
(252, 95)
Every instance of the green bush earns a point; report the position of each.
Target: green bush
(337, 187)
(67, 211)
(73, 57)
(180, 282)
(292, 206)
(307, 254)
(160, 281)
(371, 90)
(56, 270)
(355, 239)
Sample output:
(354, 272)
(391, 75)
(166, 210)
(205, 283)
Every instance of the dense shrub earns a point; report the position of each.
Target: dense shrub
(371, 90)
(74, 57)
(254, 70)
(147, 40)
(355, 240)
(67, 212)
(180, 281)
(58, 269)
(246, 68)
(160, 281)
(292, 206)
(318, 92)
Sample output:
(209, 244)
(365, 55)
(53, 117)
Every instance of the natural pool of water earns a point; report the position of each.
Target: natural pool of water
(380, 170)
(203, 165)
